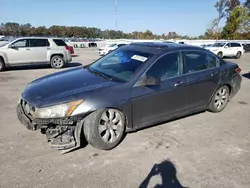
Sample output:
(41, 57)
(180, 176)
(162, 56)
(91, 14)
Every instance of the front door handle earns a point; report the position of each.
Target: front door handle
(27, 49)
(177, 84)
(214, 73)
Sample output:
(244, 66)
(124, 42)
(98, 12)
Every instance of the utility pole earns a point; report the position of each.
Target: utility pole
(116, 12)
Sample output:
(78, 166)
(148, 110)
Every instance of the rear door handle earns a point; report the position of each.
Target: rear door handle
(27, 48)
(177, 84)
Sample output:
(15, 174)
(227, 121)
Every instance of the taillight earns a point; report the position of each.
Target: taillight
(67, 48)
(238, 70)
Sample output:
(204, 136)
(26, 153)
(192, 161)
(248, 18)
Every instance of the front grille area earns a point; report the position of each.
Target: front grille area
(28, 109)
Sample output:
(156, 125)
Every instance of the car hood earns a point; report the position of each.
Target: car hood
(63, 87)
(212, 48)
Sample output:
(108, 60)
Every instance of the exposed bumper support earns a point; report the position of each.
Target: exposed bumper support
(62, 134)
(77, 135)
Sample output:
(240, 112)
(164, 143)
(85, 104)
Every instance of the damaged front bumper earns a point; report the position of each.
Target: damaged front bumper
(62, 134)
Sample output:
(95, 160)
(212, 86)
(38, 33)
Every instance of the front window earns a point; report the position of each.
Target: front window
(120, 65)
(20, 44)
(218, 44)
(166, 67)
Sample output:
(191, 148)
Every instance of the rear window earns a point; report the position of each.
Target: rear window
(235, 45)
(59, 42)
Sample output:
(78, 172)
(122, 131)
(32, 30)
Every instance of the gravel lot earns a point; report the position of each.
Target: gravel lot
(203, 150)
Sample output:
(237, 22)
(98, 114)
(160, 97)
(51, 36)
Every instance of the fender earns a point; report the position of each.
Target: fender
(88, 107)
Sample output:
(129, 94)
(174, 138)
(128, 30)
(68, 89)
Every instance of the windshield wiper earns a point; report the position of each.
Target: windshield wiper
(100, 74)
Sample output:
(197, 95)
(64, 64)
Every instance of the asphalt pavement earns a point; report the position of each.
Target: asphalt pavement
(205, 150)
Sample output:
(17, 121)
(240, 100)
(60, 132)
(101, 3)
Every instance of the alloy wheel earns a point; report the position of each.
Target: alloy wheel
(220, 54)
(221, 98)
(238, 55)
(57, 62)
(110, 125)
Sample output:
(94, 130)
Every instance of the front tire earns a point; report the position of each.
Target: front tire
(219, 100)
(104, 129)
(57, 62)
(2, 65)
(238, 55)
(220, 54)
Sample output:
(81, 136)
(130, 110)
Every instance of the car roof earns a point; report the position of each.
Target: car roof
(37, 38)
(158, 47)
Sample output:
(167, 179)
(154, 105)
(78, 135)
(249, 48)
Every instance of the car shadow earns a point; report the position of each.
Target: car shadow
(229, 58)
(46, 66)
(246, 75)
(167, 171)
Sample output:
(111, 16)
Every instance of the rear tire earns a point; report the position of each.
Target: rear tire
(238, 55)
(104, 129)
(57, 62)
(219, 100)
(220, 54)
(2, 65)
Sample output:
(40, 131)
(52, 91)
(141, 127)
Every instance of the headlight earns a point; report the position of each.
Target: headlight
(57, 111)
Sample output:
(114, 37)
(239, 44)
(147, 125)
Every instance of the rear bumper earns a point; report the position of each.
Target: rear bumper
(68, 60)
(236, 84)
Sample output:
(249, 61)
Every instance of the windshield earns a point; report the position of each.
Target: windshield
(219, 44)
(120, 65)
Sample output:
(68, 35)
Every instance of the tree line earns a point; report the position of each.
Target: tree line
(237, 18)
(16, 29)
(237, 26)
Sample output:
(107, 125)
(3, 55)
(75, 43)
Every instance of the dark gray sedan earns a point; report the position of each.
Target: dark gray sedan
(133, 87)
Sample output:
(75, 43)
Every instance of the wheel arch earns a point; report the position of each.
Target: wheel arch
(1, 57)
(4, 57)
(56, 54)
(87, 108)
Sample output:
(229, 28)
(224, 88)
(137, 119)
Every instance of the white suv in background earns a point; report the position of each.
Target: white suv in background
(228, 49)
(35, 50)
(109, 48)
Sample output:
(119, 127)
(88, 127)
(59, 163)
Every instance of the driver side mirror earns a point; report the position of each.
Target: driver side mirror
(150, 81)
(12, 46)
